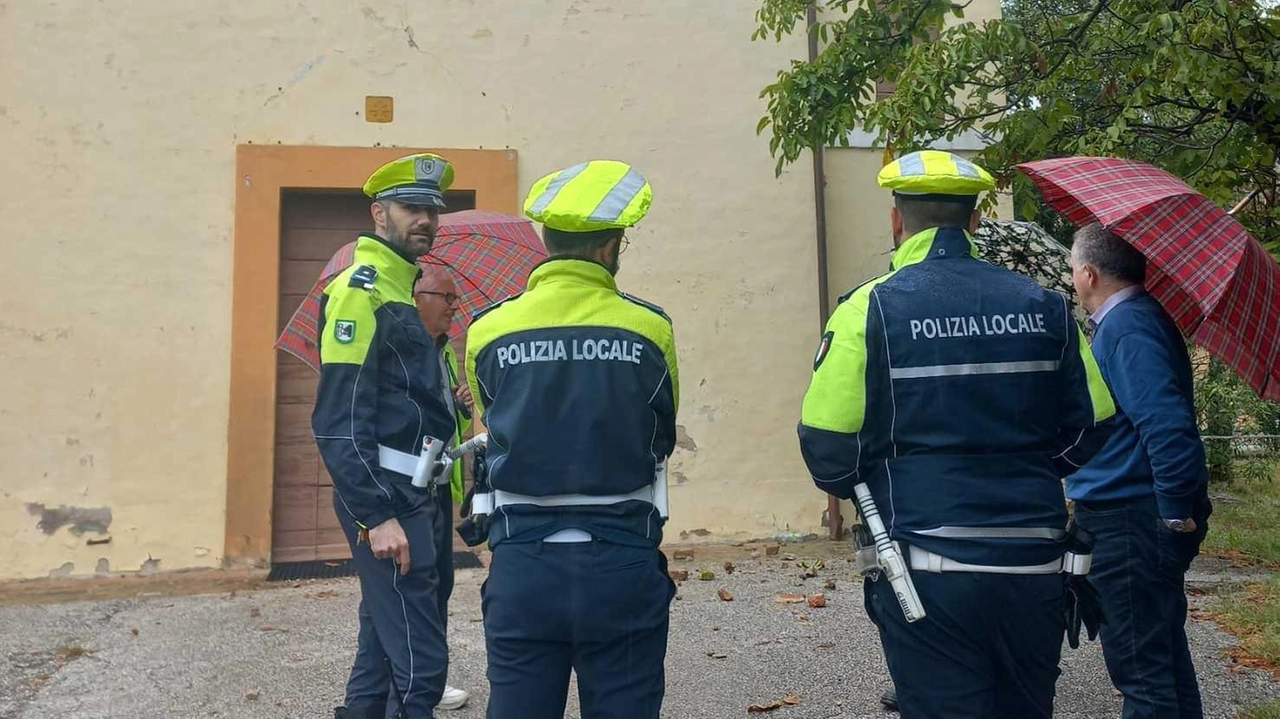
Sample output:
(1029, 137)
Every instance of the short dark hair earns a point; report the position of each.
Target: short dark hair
(577, 244)
(1115, 258)
(926, 214)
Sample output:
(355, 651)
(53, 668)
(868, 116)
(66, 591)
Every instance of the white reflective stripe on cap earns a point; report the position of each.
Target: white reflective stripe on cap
(618, 198)
(911, 165)
(925, 561)
(994, 533)
(393, 460)
(553, 188)
(966, 168)
(957, 370)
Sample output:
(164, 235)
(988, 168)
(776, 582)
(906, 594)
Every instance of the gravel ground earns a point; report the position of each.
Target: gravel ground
(285, 652)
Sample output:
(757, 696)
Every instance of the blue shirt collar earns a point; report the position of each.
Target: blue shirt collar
(1125, 294)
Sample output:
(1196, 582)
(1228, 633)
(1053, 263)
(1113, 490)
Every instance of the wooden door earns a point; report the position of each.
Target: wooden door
(313, 226)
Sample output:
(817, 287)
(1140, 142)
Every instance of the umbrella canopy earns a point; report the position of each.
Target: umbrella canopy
(1217, 282)
(488, 254)
(1028, 249)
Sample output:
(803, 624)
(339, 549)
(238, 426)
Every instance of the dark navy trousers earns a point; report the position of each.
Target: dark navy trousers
(401, 656)
(598, 608)
(1138, 569)
(988, 647)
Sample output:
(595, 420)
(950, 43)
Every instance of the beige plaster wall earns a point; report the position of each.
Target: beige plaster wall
(120, 122)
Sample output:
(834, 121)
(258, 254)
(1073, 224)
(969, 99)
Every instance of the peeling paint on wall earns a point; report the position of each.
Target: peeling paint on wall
(81, 519)
(683, 440)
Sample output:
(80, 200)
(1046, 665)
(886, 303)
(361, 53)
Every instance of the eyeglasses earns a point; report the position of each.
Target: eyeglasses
(622, 247)
(449, 298)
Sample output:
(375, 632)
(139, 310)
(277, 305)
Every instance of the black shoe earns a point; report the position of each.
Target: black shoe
(890, 700)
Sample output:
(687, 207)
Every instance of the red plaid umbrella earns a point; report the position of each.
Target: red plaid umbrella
(489, 255)
(1217, 282)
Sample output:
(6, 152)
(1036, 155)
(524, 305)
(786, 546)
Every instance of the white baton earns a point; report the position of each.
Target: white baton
(889, 558)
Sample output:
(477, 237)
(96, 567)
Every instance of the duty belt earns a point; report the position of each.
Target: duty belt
(404, 463)
(1070, 563)
(488, 502)
(654, 493)
(1076, 560)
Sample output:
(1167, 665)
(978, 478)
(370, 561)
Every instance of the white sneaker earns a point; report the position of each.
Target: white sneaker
(453, 698)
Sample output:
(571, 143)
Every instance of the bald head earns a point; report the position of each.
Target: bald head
(435, 278)
(436, 296)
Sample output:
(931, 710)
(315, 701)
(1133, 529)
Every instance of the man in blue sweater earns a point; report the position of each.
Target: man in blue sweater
(1144, 496)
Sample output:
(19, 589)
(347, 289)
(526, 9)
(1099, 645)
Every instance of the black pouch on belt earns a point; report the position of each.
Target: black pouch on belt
(1083, 605)
(474, 528)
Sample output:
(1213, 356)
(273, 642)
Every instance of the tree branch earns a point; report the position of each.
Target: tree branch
(1120, 19)
(1178, 129)
(1212, 150)
(960, 122)
(1079, 32)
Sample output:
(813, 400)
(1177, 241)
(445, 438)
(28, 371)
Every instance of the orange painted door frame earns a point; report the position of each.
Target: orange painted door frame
(263, 172)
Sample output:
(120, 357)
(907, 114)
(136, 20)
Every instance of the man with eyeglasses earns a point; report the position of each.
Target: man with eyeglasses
(436, 296)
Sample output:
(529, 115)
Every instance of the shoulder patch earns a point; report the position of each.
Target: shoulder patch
(363, 277)
(344, 331)
(823, 348)
(647, 305)
(484, 311)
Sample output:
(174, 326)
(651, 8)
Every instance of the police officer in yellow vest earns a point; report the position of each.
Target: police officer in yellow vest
(958, 393)
(578, 387)
(379, 397)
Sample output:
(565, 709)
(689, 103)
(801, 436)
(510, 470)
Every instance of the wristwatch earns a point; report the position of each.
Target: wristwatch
(1181, 525)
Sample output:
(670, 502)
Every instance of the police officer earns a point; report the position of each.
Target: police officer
(578, 388)
(379, 396)
(957, 392)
